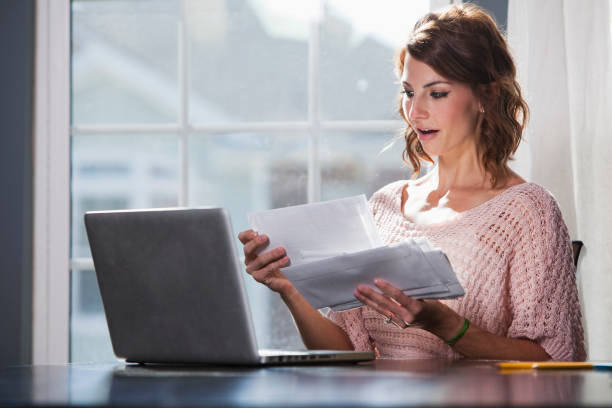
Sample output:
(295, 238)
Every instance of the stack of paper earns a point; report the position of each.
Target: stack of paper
(334, 246)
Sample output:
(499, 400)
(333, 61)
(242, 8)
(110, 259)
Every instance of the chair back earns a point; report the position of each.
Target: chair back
(576, 247)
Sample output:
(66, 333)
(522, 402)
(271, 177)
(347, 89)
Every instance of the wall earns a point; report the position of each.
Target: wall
(16, 83)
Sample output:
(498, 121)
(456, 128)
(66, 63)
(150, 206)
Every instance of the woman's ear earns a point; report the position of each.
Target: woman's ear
(493, 90)
(487, 95)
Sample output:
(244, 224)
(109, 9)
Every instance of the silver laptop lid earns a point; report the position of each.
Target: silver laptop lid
(162, 303)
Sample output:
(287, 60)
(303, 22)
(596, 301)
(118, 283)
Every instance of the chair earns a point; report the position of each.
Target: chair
(576, 247)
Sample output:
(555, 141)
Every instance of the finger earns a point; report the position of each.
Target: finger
(263, 275)
(246, 236)
(251, 247)
(264, 259)
(385, 303)
(399, 321)
(373, 304)
(410, 303)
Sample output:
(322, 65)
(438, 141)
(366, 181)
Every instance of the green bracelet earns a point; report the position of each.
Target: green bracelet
(452, 341)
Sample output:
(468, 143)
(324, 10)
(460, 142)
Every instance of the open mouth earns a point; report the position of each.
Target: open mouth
(427, 131)
(425, 134)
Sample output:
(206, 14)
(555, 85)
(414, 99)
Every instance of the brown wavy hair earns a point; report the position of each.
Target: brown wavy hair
(462, 43)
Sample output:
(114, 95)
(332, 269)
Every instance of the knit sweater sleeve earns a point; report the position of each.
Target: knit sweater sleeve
(542, 287)
(351, 322)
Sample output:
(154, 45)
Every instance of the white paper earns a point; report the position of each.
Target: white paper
(320, 230)
(334, 246)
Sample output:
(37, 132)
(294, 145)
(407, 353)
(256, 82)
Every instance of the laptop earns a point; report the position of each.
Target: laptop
(173, 291)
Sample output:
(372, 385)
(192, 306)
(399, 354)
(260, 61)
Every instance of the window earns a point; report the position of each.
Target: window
(249, 105)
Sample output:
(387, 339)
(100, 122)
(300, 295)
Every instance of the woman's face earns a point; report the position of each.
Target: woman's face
(442, 112)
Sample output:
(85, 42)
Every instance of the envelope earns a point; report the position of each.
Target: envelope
(331, 282)
(319, 230)
(334, 246)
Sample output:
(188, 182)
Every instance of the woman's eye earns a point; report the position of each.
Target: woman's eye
(439, 95)
(409, 94)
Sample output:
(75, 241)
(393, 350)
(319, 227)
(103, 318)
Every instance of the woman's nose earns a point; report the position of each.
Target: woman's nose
(415, 110)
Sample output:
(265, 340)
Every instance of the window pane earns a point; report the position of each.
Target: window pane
(245, 173)
(89, 338)
(248, 60)
(112, 172)
(354, 163)
(124, 65)
(358, 41)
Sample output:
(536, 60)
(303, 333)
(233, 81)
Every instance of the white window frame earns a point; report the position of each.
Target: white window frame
(52, 263)
(51, 268)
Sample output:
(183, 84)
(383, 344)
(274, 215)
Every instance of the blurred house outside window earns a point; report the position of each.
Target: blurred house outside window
(243, 104)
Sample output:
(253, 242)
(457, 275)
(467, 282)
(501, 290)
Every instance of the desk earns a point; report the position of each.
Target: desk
(379, 383)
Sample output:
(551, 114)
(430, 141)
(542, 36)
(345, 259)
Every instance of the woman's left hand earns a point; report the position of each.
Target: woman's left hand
(398, 308)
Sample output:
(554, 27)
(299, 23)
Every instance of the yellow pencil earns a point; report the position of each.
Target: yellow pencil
(553, 365)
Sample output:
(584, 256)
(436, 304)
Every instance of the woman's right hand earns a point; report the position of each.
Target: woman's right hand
(265, 267)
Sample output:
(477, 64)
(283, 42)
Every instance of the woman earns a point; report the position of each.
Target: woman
(504, 237)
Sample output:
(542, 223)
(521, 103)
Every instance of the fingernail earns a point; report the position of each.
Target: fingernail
(261, 238)
(280, 251)
(377, 281)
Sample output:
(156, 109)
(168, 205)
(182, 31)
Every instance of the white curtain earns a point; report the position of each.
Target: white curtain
(563, 52)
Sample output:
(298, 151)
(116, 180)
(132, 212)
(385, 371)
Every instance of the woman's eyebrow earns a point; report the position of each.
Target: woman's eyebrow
(405, 83)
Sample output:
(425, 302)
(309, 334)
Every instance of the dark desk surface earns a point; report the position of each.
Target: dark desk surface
(379, 383)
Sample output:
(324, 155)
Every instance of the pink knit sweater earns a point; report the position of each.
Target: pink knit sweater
(513, 256)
